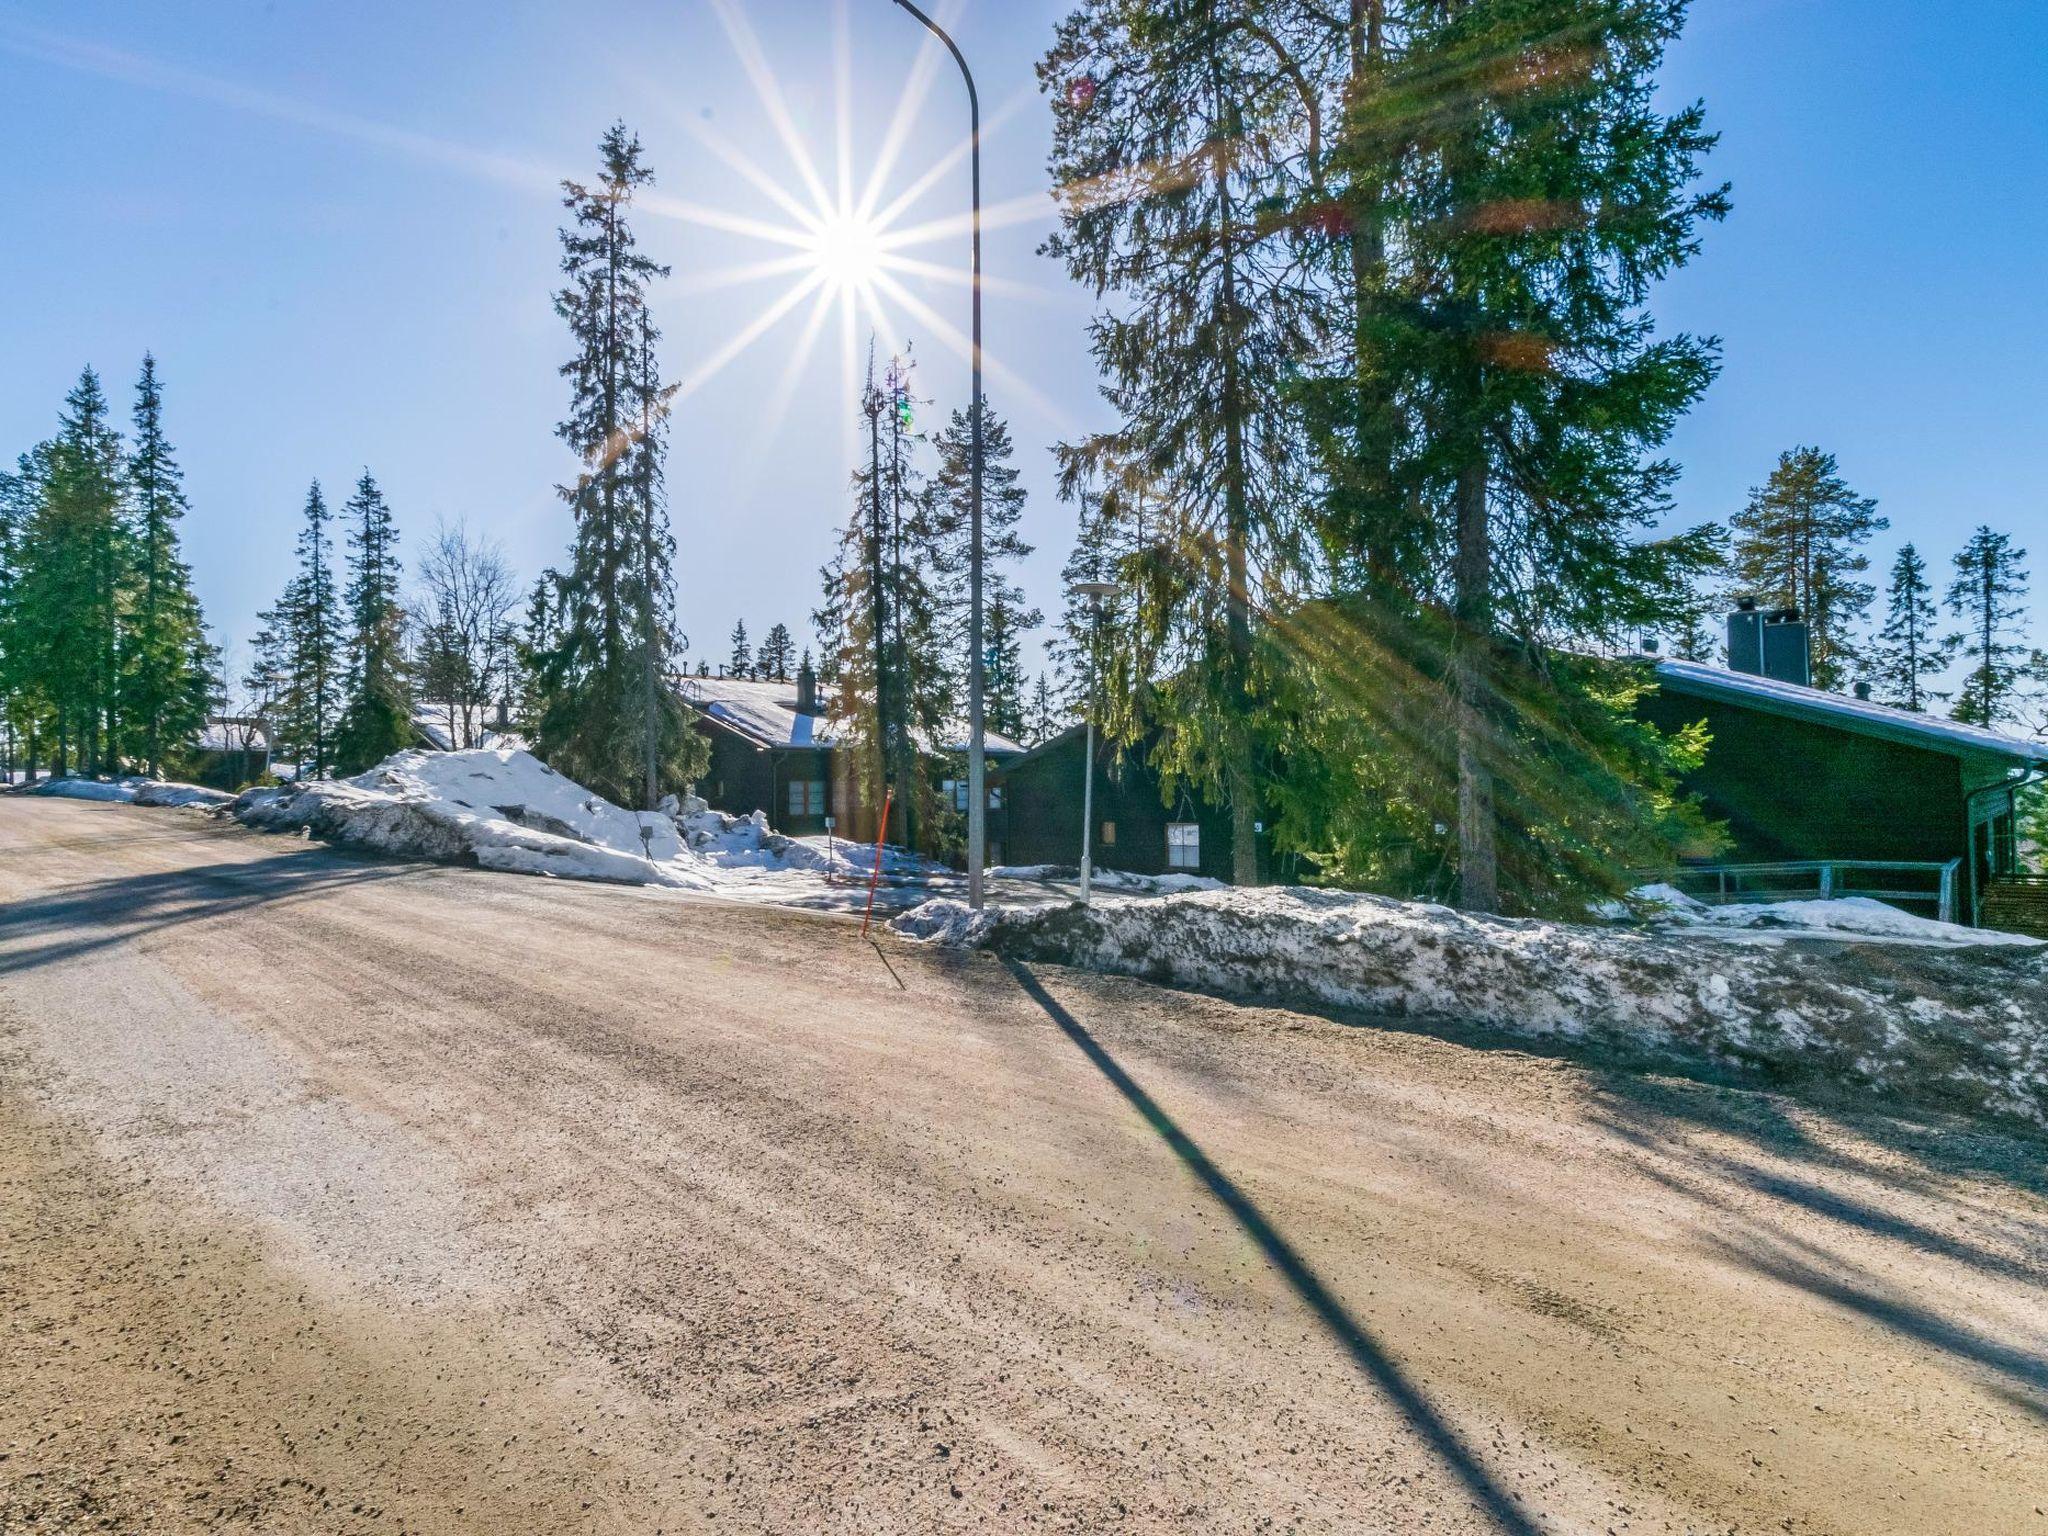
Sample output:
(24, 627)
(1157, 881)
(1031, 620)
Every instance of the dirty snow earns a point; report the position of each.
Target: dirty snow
(127, 791)
(1962, 1028)
(1849, 918)
(1116, 880)
(121, 790)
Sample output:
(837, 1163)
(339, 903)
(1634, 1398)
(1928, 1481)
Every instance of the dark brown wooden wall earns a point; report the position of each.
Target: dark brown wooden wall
(1043, 804)
(1790, 789)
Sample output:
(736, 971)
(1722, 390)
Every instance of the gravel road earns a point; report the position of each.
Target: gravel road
(346, 1196)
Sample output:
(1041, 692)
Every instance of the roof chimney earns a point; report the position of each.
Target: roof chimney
(1776, 645)
(1746, 638)
(806, 690)
(1863, 692)
(1788, 648)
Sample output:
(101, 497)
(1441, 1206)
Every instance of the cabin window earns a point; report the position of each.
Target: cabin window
(1108, 838)
(955, 791)
(1183, 845)
(806, 797)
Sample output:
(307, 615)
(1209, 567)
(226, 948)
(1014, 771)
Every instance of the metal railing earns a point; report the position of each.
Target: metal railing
(1825, 879)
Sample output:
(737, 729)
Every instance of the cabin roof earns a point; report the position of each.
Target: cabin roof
(1862, 717)
(765, 713)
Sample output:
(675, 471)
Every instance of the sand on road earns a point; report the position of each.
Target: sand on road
(339, 1195)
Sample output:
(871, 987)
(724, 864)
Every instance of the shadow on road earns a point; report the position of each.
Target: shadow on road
(81, 919)
(1421, 1417)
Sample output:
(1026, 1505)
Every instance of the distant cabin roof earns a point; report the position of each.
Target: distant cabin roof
(1863, 717)
(766, 714)
(219, 735)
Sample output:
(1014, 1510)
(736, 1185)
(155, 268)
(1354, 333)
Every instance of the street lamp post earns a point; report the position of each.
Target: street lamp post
(1095, 592)
(977, 744)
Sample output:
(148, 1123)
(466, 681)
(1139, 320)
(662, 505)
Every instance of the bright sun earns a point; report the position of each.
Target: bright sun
(846, 251)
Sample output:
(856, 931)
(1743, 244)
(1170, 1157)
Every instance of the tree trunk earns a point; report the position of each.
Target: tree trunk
(1472, 639)
(1241, 782)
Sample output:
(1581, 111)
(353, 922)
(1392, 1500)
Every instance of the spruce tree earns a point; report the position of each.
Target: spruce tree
(1511, 396)
(1799, 543)
(1989, 594)
(24, 702)
(1043, 724)
(882, 617)
(166, 663)
(1909, 654)
(604, 715)
(299, 661)
(1003, 680)
(376, 720)
(1007, 618)
(1175, 127)
(71, 589)
(777, 652)
(741, 660)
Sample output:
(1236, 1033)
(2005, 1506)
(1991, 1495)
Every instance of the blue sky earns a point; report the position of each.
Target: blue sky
(335, 227)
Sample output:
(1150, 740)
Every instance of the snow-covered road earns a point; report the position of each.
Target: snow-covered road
(348, 1195)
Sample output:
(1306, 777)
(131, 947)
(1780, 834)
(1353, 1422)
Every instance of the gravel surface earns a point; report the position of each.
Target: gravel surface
(338, 1195)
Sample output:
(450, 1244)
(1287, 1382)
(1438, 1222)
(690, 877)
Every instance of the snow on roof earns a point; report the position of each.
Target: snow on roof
(1864, 716)
(766, 713)
(233, 736)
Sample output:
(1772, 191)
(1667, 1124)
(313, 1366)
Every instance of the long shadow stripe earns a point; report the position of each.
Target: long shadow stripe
(1385, 1374)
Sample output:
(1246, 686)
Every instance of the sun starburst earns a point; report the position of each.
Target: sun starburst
(838, 240)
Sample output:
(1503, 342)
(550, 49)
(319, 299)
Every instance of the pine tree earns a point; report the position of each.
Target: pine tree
(166, 663)
(741, 661)
(24, 696)
(377, 717)
(776, 652)
(70, 592)
(1989, 593)
(1044, 723)
(605, 715)
(1006, 617)
(1799, 544)
(1163, 165)
(1003, 678)
(1909, 653)
(1510, 393)
(299, 660)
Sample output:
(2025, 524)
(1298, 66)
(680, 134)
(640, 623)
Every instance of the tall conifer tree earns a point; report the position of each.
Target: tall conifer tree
(605, 715)
(377, 716)
(1799, 542)
(69, 593)
(948, 518)
(1511, 195)
(778, 652)
(1910, 654)
(1989, 594)
(1176, 127)
(166, 664)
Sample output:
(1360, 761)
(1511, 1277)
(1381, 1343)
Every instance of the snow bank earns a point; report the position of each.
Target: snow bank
(1117, 880)
(1840, 917)
(131, 791)
(121, 790)
(500, 808)
(496, 807)
(159, 793)
(1963, 1029)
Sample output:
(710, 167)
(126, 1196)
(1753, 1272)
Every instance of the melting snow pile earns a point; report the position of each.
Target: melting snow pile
(1841, 917)
(1107, 879)
(503, 809)
(150, 792)
(1961, 1028)
(497, 807)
